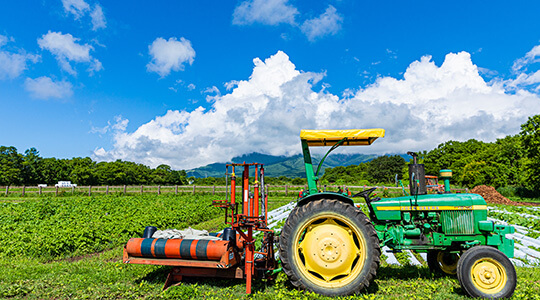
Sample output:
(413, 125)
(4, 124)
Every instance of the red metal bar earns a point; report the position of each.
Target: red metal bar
(176, 275)
(256, 192)
(233, 195)
(170, 262)
(249, 260)
(245, 192)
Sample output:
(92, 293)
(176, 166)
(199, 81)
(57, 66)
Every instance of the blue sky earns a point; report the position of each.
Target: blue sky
(187, 83)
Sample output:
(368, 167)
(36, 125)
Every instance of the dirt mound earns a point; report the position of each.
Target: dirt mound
(491, 195)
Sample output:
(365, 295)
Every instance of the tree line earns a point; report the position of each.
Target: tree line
(512, 161)
(32, 169)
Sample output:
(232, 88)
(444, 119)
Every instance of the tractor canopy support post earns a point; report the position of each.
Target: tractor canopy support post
(310, 176)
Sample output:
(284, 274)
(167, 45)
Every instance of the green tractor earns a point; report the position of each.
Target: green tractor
(331, 247)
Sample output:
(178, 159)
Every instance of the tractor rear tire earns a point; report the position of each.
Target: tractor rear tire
(330, 248)
(486, 272)
(443, 262)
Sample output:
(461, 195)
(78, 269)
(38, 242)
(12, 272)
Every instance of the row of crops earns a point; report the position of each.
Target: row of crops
(54, 228)
(526, 221)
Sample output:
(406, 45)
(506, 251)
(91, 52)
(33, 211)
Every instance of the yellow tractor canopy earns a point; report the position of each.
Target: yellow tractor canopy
(353, 137)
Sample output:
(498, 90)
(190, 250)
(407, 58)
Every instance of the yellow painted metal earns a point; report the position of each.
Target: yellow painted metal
(448, 262)
(352, 137)
(446, 174)
(488, 275)
(331, 251)
(411, 208)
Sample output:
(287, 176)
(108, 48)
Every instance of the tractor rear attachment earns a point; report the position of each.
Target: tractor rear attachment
(230, 254)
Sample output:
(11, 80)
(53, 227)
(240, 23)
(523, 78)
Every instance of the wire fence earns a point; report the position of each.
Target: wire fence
(14, 191)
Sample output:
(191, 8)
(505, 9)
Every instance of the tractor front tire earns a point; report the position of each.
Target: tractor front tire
(443, 262)
(330, 248)
(486, 272)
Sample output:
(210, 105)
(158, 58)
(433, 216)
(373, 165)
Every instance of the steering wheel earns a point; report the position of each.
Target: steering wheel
(365, 193)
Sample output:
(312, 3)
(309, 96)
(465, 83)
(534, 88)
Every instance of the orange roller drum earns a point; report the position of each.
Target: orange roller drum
(177, 248)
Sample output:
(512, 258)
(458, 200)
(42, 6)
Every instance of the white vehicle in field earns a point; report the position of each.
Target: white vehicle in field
(65, 184)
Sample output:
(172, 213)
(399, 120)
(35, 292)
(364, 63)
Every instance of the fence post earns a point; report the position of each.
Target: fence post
(286, 190)
(40, 191)
(176, 189)
(141, 189)
(159, 189)
(56, 193)
(193, 193)
(89, 190)
(124, 189)
(23, 188)
(267, 189)
(214, 190)
(107, 190)
(7, 190)
(72, 189)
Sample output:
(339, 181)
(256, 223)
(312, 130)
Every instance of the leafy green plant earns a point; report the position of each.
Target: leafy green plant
(52, 228)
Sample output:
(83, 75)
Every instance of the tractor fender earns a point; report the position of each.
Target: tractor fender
(325, 195)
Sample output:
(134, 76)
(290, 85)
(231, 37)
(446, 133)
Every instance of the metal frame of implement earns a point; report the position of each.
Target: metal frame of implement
(232, 258)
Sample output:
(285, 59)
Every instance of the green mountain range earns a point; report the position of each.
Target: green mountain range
(275, 166)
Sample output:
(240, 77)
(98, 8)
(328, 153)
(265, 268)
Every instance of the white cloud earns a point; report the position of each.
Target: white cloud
(45, 88)
(169, 55)
(3, 40)
(267, 12)
(98, 18)
(430, 105)
(13, 64)
(527, 72)
(328, 23)
(119, 125)
(231, 84)
(66, 48)
(530, 57)
(212, 90)
(80, 8)
(77, 8)
(181, 83)
(276, 12)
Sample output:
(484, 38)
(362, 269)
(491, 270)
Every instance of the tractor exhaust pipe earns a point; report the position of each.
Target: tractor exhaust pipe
(417, 176)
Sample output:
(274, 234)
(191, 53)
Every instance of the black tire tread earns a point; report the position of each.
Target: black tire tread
(472, 255)
(333, 205)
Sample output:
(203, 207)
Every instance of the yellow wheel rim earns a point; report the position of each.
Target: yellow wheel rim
(330, 250)
(448, 262)
(488, 275)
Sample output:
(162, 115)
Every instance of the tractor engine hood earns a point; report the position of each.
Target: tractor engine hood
(391, 208)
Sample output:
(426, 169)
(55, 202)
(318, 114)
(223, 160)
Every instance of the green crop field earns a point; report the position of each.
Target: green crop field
(71, 248)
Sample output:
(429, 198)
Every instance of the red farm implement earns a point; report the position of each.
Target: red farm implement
(234, 254)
